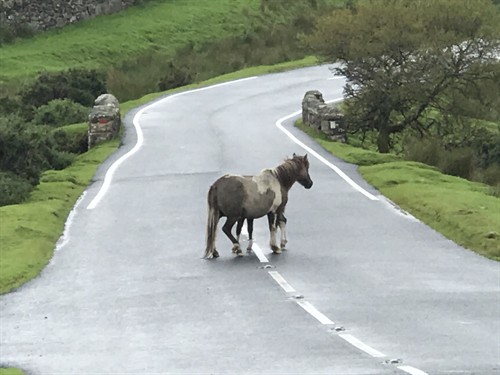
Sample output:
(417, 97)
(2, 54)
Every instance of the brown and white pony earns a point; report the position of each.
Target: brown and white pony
(250, 197)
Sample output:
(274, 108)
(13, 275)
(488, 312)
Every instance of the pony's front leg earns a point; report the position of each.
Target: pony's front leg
(227, 230)
(272, 218)
(282, 226)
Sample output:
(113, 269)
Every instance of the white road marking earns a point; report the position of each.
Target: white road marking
(412, 370)
(361, 345)
(336, 169)
(140, 139)
(323, 319)
(63, 240)
(255, 247)
(259, 253)
(281, 281)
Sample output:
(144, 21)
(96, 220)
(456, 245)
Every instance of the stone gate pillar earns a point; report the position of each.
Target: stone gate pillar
(104, 120)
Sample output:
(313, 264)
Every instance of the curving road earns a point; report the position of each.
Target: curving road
(363, 289)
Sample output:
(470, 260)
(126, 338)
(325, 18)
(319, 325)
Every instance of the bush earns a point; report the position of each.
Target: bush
(175, 77)
(458, 162)
(490, 175)
(27, 150)
(72, 138)
(424, 150)
(10, 105)
(13, 189)
(59, 112)
(80, 85)
(59, 160)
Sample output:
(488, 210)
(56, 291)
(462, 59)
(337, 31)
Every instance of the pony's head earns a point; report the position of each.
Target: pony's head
(302, 169)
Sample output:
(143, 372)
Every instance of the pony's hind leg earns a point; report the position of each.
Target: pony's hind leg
(239, 226)
(250, 235)
(227, 227)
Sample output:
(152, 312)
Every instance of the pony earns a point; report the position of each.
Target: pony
(250, 197)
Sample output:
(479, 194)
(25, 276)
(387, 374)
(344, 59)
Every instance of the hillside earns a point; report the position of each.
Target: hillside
(162, 26)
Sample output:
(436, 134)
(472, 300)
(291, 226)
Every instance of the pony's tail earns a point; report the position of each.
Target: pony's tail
(212, 220)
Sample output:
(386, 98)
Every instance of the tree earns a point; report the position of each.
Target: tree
(404, 58)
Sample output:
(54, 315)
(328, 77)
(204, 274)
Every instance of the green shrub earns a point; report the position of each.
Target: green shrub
(80, 85)
(60, 159)
(458, 162)
(490, 175)
(10, 105)
(59, 112)
(174, 77)
(424, 150)
(13, 189)
(73, 138)
(27, 150)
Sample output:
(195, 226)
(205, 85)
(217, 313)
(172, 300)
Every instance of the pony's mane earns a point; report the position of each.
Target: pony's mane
(288, 171)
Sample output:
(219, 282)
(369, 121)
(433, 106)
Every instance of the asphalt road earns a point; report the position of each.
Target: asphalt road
(362, 289)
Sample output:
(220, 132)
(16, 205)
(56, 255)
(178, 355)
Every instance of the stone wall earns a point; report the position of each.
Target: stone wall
(325, 117)
(47, 14)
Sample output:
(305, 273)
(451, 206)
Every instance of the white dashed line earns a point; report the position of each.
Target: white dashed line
(361, 345)
(323, 319)
(255, 247)
(281, 281)
(259, 253)
(412, 370)
(140, 139)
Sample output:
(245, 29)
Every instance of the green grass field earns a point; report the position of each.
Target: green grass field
(104, 41)
(11, 371)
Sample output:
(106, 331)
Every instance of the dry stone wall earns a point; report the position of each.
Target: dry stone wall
(325, 117)
(47, 14)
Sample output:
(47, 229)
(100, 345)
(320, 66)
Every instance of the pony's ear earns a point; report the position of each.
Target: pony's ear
(294, 155)
(305, 157)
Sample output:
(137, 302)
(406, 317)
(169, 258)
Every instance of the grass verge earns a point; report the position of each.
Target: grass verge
(11, 371)
(463, 211)
(29, 231)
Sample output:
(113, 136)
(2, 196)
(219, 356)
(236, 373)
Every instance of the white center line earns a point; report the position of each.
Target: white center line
(412, 370)
(361, 345)
(255, 247)
(323, 319)
(259, 253)
(281, 281)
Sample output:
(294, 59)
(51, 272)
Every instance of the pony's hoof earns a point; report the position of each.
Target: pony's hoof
(283, 245)
(249, 250)
(239, 253)
(213, 255)
(236, 248)
(276, 249)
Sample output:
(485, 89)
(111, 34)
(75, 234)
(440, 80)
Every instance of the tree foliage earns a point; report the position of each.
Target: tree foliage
(404, 59)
